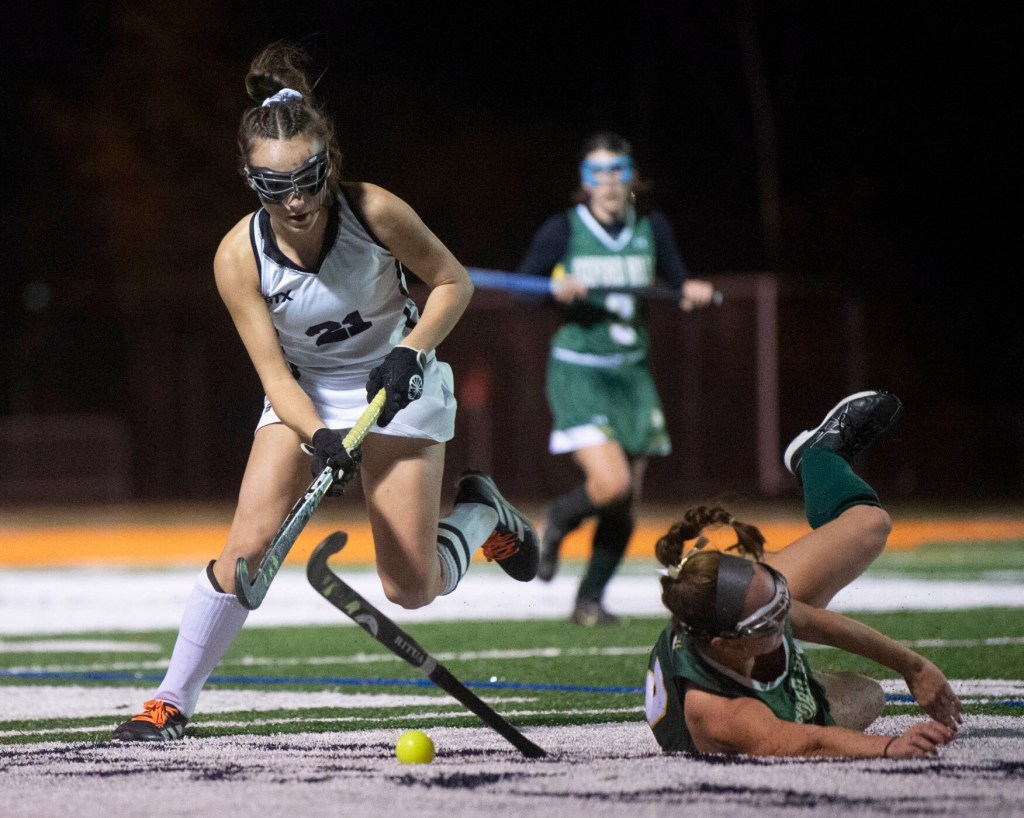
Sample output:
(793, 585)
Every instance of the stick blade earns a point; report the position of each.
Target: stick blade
(248, 594)
(329, 546)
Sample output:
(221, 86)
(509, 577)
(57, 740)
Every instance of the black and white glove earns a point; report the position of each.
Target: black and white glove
(400, 375)
(329, 450)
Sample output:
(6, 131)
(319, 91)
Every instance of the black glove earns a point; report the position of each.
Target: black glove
(328, 450)
(401, 377)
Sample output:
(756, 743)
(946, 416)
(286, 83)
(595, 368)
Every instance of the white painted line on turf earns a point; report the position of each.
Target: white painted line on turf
(32, 702)
(332, 661)
(390, 658)
(77, 646)
(155, 599)
(254, 725)
(966, 688)
(73, 701)
(464, 656)
(992, 641)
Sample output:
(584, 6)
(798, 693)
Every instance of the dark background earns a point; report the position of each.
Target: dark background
(886, 128)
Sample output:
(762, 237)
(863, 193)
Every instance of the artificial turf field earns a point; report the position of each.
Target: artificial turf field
(296, 711)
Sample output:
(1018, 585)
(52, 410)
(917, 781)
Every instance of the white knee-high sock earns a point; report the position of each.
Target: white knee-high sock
(459, 536)
(209, 625)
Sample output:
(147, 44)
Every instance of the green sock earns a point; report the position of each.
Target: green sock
(831, 487)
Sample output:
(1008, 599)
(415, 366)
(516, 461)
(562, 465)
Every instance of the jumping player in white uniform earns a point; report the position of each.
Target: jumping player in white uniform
(314, 283)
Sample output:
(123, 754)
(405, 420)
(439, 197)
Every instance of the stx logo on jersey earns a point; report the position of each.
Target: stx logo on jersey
(278, 298)
(330, 332)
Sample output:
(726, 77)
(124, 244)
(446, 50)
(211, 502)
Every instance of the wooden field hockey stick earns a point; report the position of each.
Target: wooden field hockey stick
(251, 593)
(541, 285)
(346, 600)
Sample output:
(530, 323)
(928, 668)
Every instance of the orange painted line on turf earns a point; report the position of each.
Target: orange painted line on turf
(182, 544)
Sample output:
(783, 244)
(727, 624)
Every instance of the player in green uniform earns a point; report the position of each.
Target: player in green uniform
(604, 404)
(727, 676)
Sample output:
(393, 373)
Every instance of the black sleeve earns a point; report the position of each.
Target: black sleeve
(548, 247)
(669, 266)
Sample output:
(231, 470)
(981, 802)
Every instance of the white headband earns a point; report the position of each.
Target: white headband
(283, 95)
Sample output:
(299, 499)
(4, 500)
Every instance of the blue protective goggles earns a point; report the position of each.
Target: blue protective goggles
(275, 187)
(622, 166)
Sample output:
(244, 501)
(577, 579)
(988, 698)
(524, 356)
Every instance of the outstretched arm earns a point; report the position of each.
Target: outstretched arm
(746, 726)
(927, 683)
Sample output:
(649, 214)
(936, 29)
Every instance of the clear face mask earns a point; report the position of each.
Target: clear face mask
(275, 187)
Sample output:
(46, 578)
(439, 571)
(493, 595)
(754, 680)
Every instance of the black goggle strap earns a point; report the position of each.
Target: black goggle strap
(276, 186)
(734, 576)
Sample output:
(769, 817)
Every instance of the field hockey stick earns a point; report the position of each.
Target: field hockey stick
(346, 600)
(541, 285)
(251, 594)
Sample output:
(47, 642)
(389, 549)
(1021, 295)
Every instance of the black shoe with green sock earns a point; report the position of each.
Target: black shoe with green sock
(820, 457)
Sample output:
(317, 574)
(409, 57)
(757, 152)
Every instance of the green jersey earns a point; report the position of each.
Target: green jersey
(675, 662)
(611, 324)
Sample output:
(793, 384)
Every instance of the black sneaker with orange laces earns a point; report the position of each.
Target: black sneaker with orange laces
(159, 721)
(513, 543)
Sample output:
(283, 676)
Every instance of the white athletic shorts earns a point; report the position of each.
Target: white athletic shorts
(341, 400)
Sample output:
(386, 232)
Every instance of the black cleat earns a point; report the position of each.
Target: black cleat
(550, 543)
(513, 543)
(159, 721)
(590, 612)
(849, 428)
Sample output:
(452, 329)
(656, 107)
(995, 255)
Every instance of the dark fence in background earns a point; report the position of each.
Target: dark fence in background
(737, 382)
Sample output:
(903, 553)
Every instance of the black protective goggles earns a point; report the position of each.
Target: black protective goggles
(275, 187)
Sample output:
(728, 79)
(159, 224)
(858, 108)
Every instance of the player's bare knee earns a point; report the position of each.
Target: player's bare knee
(877, 526)
(610, 489)
(872, 526)
(409, 597)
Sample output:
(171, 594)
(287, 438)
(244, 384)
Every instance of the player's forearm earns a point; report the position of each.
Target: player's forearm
(840, 742)
(441, 312)
(293, 407)
(829, 628)
(782, 738)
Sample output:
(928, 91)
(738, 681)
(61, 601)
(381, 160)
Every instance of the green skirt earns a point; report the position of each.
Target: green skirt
(592, 404)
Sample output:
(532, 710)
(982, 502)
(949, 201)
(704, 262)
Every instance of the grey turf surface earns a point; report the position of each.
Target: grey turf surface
(600, 770)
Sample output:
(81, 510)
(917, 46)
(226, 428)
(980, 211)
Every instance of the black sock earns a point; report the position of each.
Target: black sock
(566, 512)
(611, 538)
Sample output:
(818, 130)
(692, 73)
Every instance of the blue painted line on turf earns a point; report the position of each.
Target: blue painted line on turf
(360, 681)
